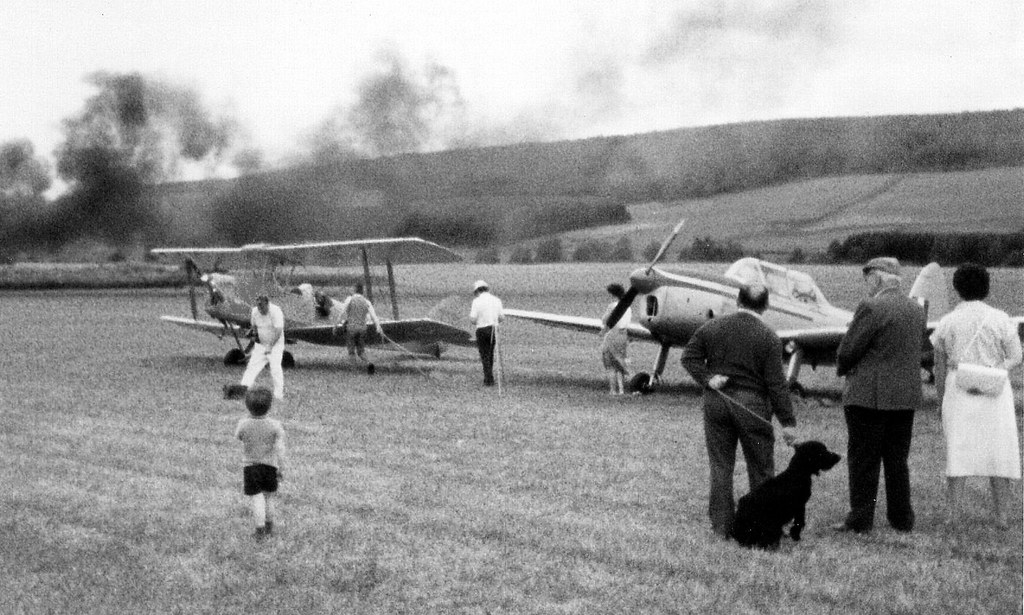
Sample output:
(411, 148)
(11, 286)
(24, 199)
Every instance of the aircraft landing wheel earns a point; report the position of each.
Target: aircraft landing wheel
(641, 383)
(287, 360)
(235, 356)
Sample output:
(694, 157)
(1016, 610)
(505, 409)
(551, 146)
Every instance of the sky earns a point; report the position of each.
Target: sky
(519, 69)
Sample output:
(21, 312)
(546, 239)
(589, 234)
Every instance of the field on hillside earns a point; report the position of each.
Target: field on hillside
(417, 490)
(812, 213)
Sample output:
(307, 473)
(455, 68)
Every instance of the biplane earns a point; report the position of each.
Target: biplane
(672, 305)
(279, 270)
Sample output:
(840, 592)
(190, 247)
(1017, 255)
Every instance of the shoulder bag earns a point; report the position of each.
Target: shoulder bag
(978, 379)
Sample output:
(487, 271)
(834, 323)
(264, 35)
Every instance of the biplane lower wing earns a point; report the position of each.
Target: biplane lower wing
(406, 331)
(575, 323)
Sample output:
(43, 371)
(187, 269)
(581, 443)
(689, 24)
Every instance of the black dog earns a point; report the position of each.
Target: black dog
(763, 512)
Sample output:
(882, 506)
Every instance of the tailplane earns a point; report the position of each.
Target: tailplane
(931, 291)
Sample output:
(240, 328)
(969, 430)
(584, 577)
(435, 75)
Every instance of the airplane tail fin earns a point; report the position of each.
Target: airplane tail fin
(930, 290)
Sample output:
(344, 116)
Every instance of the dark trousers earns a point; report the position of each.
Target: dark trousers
(725, 425)
(879, 439)
(485, 344)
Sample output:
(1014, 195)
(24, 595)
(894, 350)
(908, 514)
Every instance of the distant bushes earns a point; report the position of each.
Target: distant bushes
(706, 249)
(521, 255)
(549, 251)
(920, 248)
(488, 256)
(598, 251)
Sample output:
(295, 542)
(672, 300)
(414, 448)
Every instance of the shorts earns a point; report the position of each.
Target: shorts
(259, 478)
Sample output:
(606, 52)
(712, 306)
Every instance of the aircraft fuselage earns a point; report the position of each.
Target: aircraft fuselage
(677, 305)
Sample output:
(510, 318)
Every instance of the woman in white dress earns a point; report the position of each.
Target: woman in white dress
(980, 430)
(615, 342)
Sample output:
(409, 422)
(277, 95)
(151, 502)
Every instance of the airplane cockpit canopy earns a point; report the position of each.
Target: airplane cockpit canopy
(781, 282)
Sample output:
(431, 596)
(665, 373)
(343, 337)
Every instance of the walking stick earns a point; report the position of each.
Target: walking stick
(501, 364)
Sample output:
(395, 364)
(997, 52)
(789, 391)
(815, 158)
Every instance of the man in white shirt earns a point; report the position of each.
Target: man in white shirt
(268, 320)
(486, 313)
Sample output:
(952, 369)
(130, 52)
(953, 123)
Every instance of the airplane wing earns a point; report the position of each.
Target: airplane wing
(576, 323)
(378, 251)
(392, 250)
(209, 326)
(816, 339)
(419, 330)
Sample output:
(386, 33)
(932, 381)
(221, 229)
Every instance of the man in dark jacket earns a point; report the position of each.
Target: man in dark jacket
(738, 361)
(880, 355)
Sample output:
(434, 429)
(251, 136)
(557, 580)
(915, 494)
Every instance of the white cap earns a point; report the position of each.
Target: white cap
(478, 285)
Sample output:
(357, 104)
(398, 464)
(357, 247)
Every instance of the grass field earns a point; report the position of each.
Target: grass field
(419, 491)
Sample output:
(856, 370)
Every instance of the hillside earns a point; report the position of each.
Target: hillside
(777, 184)
(810, 214)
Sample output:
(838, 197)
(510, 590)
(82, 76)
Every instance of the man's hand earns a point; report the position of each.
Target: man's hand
(789, 435)
(717, 381)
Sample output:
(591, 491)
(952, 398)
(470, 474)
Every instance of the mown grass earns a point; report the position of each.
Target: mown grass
(417, 490)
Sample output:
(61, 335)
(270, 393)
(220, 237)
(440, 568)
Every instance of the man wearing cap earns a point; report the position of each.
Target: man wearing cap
(268, 321)
(486, 313)
(880, 355)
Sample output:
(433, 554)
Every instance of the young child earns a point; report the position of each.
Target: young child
(263, 453)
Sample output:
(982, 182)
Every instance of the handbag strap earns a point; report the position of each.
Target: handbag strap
(977, 333)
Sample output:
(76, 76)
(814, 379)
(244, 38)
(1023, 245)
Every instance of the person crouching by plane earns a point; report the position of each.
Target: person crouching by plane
(356, 309)
(267, 320)
(486, 312)
(738, 360)
(615, 342)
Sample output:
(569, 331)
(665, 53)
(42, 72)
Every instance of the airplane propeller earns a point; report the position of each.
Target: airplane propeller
(627, 299)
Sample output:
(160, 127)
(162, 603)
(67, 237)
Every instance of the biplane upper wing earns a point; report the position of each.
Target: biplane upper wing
(397, 331)
(575, 323)
(378, 251)
(209, 326)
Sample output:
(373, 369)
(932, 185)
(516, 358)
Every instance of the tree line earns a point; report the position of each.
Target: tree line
(947, 249)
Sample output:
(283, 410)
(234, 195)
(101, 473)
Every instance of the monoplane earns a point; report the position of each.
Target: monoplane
(675, 304)
(279, 270)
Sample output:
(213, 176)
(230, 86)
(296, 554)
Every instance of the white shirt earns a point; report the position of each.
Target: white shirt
(486, 310)
(996, 344)
(265, 325)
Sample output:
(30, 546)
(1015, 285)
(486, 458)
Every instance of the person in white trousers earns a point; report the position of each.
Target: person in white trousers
(268, 320)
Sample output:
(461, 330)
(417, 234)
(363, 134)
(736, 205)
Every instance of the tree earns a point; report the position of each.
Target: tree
(549, 251)
(401, 110)
(142, 126)
(132, 132)
(623, 250)
(23, 180)
(521, 255)
(488, 256)
(592, 250)
(651, 250)
(22, 175)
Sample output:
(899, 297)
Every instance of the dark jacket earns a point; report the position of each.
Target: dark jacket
(746, 350)
(880, 355)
